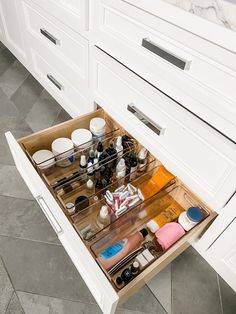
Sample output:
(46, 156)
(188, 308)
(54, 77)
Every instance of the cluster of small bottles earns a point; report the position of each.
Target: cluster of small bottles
(104, 165)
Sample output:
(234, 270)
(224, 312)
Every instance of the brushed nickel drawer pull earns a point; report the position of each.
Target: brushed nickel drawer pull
(55, 82)
(166, 55)
(49, 36)
(47, 212)
(145, 120)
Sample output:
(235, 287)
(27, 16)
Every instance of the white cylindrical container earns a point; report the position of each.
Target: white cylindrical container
(82, 138)
(190, 218)
(70, 208)
(63, 150)
(44, 160)
(98, 127)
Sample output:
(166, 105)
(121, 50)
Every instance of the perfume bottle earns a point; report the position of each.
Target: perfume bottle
(103, 218)
(99, 150)
(83, 168)
(90, 187)
(119, 146)
(111, 151)
(90, 171)
(142, 159)
(91, 156)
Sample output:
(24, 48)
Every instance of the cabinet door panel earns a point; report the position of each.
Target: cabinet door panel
(221, 252)
(10, 15)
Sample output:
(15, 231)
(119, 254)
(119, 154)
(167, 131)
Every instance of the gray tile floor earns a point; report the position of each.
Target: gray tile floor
(36, 275)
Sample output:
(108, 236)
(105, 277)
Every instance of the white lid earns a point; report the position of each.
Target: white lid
(83, 161)
(89, 184)
(152, 226)
(90, 167)
(97, 124)
(119, 141)
(121, 165)
(185, 222)
(70, 207)
(81, 137)
(136, 264)
(44, 158)
(104, 211)
(61, 145)
(95, 163)
(142, 153)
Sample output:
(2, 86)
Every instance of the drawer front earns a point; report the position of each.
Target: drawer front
(93, 276)
(201, 84)
(73, 13)
(57, 83)
(65, 51)
(202, 158)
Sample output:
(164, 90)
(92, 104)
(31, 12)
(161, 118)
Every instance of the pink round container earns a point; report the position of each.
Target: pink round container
(169, 234)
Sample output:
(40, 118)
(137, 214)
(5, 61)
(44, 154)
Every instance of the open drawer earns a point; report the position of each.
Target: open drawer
(82, 252)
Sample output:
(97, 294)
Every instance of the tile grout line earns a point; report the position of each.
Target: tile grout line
(156, 298)
(75, 301)
(31, 240)
(14, 290)
(53, 297)
(9, 300)
(220, 296)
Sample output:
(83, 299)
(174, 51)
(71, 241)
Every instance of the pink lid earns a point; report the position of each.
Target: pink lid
(169, 234)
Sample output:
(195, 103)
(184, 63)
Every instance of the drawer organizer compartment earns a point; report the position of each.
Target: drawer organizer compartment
(123, 223)
(120, 233)
(86, 220)
(57, 175)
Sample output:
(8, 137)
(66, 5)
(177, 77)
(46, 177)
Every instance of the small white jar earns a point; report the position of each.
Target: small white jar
(98, 127)
(44, 160)
(82, 138)
(70, 208)
(63, 150)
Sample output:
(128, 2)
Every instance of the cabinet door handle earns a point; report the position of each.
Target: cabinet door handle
(166, 55)
(47, 212)
(145, 120)
(49, 36)
(55, 82)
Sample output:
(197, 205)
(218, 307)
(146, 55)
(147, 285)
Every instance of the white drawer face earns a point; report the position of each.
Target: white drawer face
(81, 249)
(58, 82)
(73, 13)
(205, 87)
(203, 159)
(65, 50)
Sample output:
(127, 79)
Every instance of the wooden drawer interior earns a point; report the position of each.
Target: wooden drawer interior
(128, 222)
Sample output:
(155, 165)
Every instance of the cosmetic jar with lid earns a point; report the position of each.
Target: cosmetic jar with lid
(44, 160)
(63, 150)
(70, 208)
(98, 127)
(82, 138)
(190, 218)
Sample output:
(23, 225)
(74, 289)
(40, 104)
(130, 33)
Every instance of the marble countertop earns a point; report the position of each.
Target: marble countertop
(221, 12)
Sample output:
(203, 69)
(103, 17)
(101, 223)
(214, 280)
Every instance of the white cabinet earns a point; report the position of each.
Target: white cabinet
(218, 244)
(62, 56)
(12, 27)
(195, 72)
(114, 88)
(74, 13)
